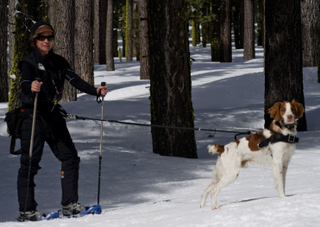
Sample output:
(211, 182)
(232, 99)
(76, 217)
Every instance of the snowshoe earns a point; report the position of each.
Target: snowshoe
(30, 216)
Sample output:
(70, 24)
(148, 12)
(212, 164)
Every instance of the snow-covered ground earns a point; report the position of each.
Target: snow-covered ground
(140, 188)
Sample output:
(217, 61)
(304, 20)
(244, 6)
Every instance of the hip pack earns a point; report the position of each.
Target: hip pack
(14, 119)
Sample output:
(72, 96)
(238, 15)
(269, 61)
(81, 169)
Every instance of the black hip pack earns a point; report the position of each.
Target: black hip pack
(14, 119)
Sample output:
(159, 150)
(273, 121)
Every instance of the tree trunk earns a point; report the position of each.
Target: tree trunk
(143, 38)
(129, 31)
(96, 30)
(3, 50)
(214, 29)
(238, 23)
(27, 12)
(83, 40)
(283, 55)
(260, 22)
(310, 27)
(61, 15)
(102, 31)
(109, 41)
(195, 28)
(249, 37)
(170, 81)
(225, 31)
(319, 59)
(11, 29)
(136, 33)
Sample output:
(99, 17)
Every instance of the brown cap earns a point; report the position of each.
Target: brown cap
(43, 28)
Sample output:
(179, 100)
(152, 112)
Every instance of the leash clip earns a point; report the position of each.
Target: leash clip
(70, 116)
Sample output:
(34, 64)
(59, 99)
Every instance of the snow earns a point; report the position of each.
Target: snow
(140, 188)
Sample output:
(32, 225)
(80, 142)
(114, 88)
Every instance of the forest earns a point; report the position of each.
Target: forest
(158, 34)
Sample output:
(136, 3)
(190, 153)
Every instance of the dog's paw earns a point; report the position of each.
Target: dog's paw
(282, 196)
(213, 207)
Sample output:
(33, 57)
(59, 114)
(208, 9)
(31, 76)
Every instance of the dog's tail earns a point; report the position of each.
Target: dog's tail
(216, 149)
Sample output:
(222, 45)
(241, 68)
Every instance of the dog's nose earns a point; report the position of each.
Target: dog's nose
(290, 117)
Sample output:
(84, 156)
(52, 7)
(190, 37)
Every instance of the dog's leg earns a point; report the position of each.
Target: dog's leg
(217, 173)
(277, 167)
(227, 179)
(286, 161)
(223, 177)
(206, 193)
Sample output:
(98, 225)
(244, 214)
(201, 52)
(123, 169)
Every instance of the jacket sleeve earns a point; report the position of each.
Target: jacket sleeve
(76, 81)
(27, 76)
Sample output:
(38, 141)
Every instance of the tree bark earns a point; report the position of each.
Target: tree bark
(109, 41)
(170, 81)
(83, 41)
(249, 37)
(310, 30)
(214, 29)
(61, 15)
(143, 38)
(102, 31)
(27, 13)
(283, 55)
(260, 22)
(129, 31)
(238, 23)
(3, 50)
(96, 30)
(225, 31)
(11, 29)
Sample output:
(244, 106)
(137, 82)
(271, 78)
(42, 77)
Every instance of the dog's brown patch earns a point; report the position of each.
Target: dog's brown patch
(277, 110)
(254, 140)
(219, 148)
(297, 109)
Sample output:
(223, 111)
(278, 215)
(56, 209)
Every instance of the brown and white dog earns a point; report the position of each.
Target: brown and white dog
(273, 146)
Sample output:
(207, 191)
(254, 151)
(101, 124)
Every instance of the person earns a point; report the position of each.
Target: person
(45, 72)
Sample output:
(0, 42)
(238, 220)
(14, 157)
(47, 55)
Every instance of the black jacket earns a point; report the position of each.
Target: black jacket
(52, 70)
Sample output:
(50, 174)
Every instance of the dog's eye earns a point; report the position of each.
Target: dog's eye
(293, 111)
(283, 110)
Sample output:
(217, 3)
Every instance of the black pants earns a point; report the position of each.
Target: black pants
(53, 131)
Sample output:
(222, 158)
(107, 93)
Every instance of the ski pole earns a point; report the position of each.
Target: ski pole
(100, 150)
(31, 145)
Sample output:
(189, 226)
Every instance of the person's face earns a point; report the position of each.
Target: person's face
(44, 42)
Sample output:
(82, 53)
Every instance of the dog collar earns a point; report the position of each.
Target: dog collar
(277, 137)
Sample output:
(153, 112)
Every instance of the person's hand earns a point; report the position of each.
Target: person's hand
(102, 90)
(36, 86)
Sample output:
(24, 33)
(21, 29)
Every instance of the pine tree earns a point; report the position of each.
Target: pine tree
(225, 31)
(143, 38)
(170, 80)
(29, 11)
(214, 29)
(283, 55)
(3, 49)
(310, 27)
(109, 41)
(249, 37)
(129, 30)
(61, 15)
(83, 41)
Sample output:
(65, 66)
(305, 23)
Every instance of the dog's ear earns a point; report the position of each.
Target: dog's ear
(298, 107)
(274, 111)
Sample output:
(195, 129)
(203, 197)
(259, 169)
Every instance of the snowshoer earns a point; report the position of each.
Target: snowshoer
(52, 70)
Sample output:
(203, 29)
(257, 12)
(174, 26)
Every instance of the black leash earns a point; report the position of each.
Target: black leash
(64, 113)
(69, 116)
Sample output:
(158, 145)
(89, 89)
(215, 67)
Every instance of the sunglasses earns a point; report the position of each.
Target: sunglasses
(43, 38)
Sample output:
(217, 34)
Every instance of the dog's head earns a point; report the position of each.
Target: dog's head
(287, 112)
